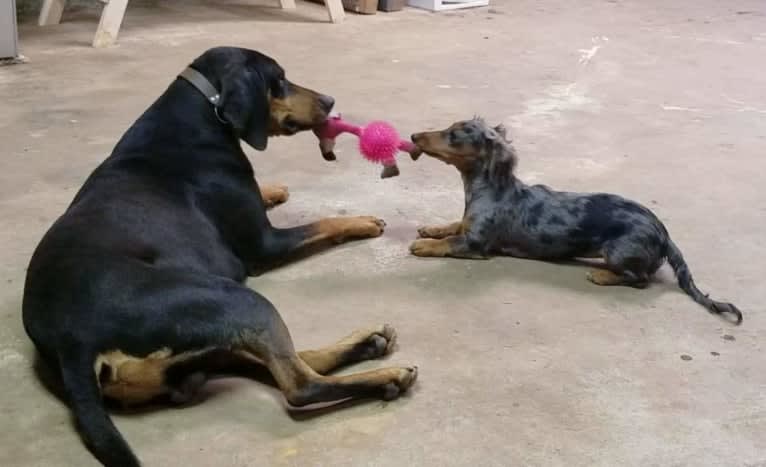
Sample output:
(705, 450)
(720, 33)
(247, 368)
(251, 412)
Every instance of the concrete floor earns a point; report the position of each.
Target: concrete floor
(521, 363)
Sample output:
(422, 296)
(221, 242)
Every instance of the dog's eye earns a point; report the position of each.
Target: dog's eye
(451, 136)
(280, 88)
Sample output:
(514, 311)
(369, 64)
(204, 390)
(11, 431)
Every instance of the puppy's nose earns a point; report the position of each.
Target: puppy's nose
(414, 137)
(326, 103)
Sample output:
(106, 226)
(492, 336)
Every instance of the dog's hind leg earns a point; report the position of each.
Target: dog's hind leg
(607, 277)
(364, 344)
(186, 377)
(625, 264)
(215, 313)
(302, 385)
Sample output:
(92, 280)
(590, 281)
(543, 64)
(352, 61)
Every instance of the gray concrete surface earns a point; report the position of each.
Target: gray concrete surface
(521, 363)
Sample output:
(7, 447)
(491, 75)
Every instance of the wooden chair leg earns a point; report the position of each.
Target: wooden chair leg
(335, 10)
(50, 12)
(109, 25)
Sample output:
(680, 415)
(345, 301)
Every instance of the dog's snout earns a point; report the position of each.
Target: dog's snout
(326, 102)
(416, 150)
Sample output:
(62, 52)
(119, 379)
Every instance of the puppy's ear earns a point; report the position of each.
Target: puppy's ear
(245, 104)
(502, 131)
(490, 135)
(502, 162)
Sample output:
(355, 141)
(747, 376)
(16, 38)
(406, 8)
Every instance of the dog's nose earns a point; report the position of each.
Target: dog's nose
(326, 102)
(414, 137)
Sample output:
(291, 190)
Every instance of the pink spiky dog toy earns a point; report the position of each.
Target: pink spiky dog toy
(378, 142)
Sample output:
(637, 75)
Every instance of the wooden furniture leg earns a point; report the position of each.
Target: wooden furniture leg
(114, 12)
(50, 12)
(109, 25)
(334, 10)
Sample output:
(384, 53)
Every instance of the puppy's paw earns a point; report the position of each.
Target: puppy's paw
(604, 277)
(427, 232)
(433, 231)
(441, 231)
(429, 247)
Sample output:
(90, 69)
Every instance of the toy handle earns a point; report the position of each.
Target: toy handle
(409, 147)
(335, 126)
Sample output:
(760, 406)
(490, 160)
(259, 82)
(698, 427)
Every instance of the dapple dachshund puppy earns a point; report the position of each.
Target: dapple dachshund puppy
(507, 217)
(138, 286)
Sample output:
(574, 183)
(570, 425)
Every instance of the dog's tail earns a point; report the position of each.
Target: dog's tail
(96, 428)
(685, 281)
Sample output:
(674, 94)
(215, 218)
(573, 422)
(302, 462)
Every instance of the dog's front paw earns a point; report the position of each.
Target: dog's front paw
(429, 247)
(432, 232)
(274, 195)
(440, 231)
(361, 227)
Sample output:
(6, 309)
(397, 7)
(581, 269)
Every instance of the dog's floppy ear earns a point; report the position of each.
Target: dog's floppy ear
(245, 105)
(502, 131)
(502, 157)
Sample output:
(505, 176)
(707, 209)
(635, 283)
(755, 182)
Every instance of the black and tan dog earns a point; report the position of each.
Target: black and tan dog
(507, 217)
(140, 282)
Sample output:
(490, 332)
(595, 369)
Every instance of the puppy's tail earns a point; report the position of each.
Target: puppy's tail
(685, 281)
(96, 428)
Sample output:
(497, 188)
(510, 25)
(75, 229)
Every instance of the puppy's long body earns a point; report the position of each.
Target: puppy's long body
(504, 216)
(137, 291)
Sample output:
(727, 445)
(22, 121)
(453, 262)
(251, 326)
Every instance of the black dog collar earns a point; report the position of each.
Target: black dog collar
(198, 80)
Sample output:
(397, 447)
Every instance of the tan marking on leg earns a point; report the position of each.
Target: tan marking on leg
(394, 381)
(605, 277)
(302, 386)
(431, 247)
(274, 194)
(341, 229)
(363, 344)
(136, 380)
(441, 231)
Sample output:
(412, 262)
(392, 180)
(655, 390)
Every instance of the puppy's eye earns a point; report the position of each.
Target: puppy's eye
(280, 88)
(451, 136)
